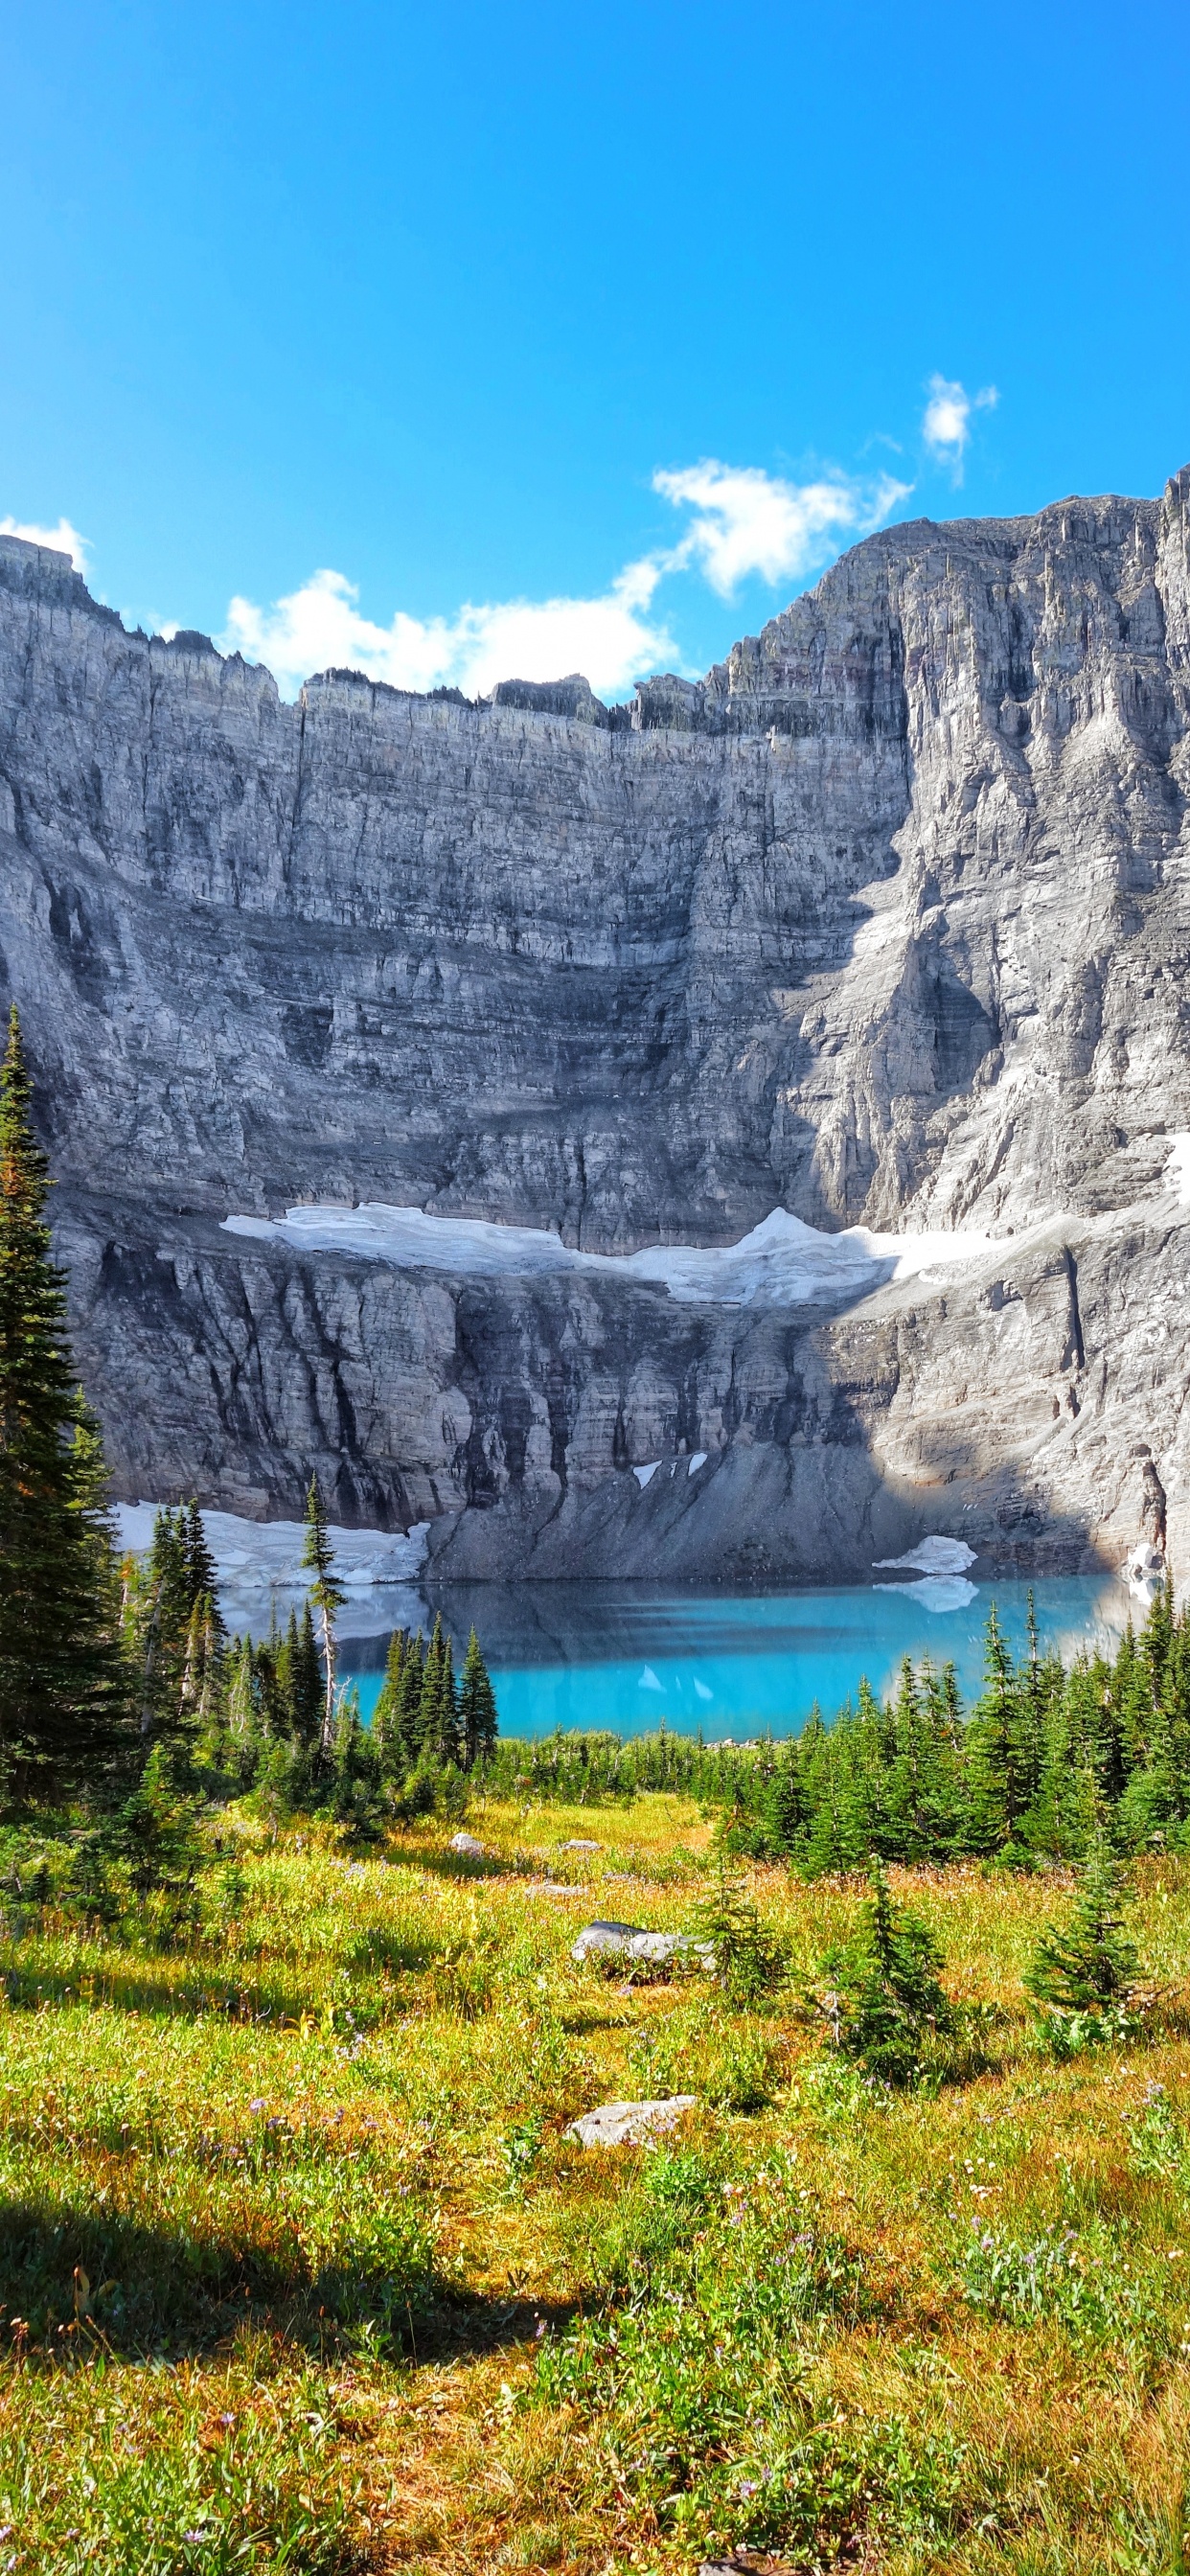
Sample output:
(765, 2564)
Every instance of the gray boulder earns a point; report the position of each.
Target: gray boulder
(615, 1941)
(629, 2124)
(468, 1846)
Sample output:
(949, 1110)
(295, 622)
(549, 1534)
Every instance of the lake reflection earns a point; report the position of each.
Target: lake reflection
(628, 1655)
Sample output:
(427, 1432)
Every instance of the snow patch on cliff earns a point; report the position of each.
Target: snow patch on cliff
(269, 1553)
(931, 1556)
(783, 1261)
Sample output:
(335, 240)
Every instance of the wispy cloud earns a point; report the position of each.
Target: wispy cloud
(743, 522)
(749, 522)
(64, 539)
(946, 422)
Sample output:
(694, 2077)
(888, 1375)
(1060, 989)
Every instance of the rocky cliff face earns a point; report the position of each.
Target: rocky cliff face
(886, 921)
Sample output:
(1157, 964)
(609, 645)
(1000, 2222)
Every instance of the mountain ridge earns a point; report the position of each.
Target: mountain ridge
(885, 921)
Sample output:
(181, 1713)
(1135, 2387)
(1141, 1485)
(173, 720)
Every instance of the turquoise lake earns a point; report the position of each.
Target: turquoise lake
(628, 1656)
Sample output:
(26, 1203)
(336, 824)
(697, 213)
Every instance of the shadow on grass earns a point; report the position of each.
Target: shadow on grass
(80, 2282)
(463, 1869)
(195, 1988)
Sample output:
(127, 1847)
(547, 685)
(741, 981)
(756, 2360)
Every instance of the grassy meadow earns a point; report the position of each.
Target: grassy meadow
(300, 2270)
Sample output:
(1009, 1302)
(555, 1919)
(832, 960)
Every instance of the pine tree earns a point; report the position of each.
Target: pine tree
(63, 1692)
(888, 2005)
(162, 1606)
(438, 1717)
(410, 1699)
(305, 1682)
(748, 1961)
(202, 1573)
(356, 1770)
(1089, 1965)
(785, 1805)
(327, 1597)
(1000, 1785)
(478, 1719)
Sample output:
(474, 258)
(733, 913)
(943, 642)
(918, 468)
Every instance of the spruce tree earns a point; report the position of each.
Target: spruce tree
(202, 1574)
(1000, 1784)
(327, 1597)
(63, 1688)
(409, 1700)
(163, 1602)
(438, 1716)
(1088, 1965)
(305, 1681)
(888, 2006)
(386, 1716)
(478, 1720)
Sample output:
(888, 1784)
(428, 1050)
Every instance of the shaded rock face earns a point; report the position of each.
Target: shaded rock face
(887, 920)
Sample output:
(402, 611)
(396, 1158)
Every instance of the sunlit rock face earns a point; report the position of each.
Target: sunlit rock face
(885, 922)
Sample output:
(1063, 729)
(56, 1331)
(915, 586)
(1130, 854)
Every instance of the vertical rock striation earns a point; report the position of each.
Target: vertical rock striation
(886, 921)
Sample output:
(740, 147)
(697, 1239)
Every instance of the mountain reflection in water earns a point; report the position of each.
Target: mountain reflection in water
(628, 1656)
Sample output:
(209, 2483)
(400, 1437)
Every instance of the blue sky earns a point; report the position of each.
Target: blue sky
(519, 339)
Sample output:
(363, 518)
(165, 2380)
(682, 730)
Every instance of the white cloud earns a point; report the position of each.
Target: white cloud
(746, 521)
(946, 423)
(65, 539)
(611, 639)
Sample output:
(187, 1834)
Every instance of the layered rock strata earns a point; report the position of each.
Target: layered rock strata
(887, 920)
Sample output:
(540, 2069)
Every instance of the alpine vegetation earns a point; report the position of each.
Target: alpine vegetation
(772, 2157)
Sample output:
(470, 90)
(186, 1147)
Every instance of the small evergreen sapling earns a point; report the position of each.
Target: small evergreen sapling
(886, 2004)
(1083, 1974)
(749, 1963)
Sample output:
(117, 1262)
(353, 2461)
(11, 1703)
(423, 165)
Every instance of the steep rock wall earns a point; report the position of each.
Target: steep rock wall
(887, 919)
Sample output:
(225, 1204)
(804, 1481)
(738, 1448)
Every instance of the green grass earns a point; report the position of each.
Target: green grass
(300, 2271)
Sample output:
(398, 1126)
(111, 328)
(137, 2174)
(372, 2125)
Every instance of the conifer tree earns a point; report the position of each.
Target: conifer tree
(356, 1771)
(1000, 1789)
(888, 2004)
(241, 1729)
(327, 1596)
(478, 1720)
(202, 1574)
(780, 1818)
(174, 1626)
(305, 1681)
(271, 1673)
(410, 1700)
(63, 1697)
(438, 1717)
(1089, 1965)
